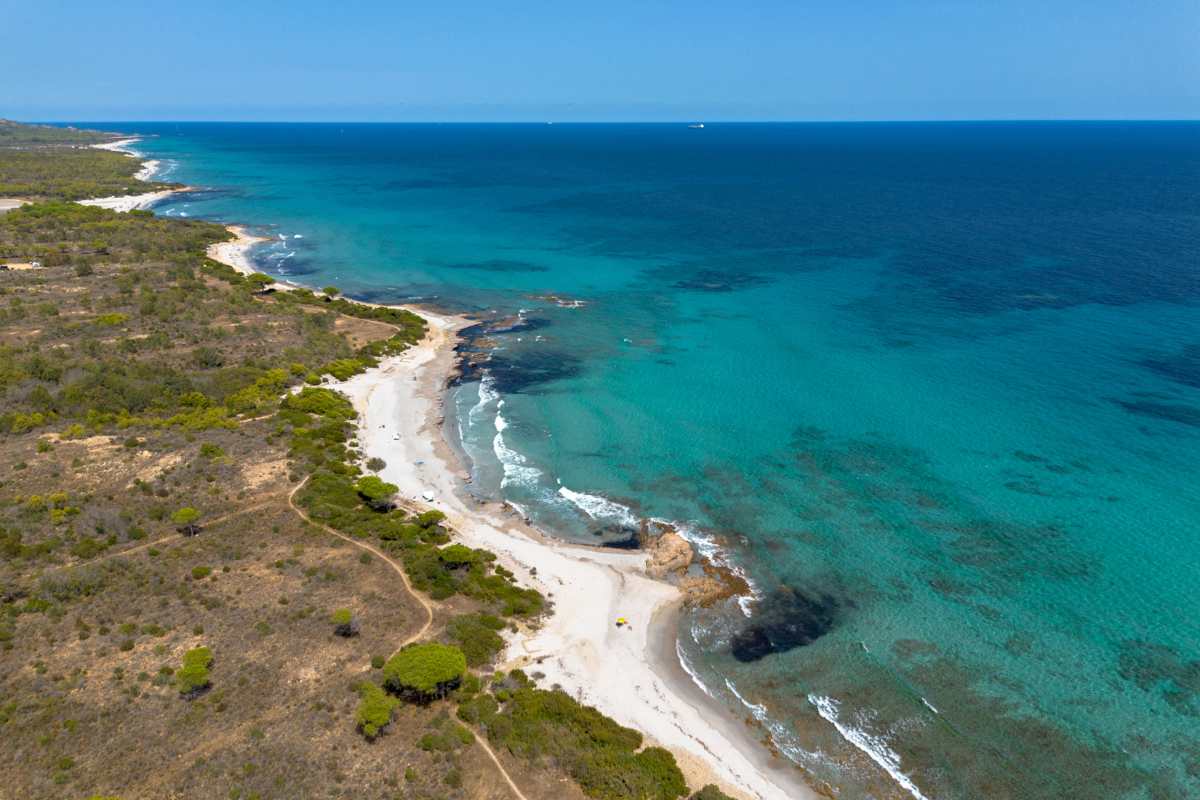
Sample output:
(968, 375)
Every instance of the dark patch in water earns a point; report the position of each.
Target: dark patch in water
(496, 265)
(1172, 412)
(629, 542)
(1182, 367)
(522, 372)
(786, 619)
(1158, 668)
(711, 280)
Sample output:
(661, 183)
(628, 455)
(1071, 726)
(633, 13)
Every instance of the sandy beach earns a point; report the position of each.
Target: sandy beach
(631, 673)
(625, 672)
(236, 253)
(133, 202)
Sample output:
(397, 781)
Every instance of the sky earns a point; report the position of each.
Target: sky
(605, 60)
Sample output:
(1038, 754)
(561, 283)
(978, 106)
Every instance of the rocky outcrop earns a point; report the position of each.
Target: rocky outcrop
(669, 553)
(702, 590)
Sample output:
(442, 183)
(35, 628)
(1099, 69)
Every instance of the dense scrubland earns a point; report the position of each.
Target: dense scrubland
(196, 587)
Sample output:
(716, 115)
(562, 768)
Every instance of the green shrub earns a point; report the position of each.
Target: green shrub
(209, 450)
(602, 756)
(192, 678)
(344, 622)
(376, 491)
(475, 635)
(200, 573)
(374, 709)
(710, 792)
(424, 671)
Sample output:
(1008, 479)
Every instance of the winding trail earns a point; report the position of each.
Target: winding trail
(399, 570)
(396, 567)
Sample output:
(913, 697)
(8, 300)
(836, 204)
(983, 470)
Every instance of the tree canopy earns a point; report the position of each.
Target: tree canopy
(425, 670)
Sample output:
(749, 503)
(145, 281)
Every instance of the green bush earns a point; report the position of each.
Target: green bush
(376, 491)
(602, 756)
(424, 671)
(710, 792)
(374, 709)
(344, 623)
(475, 635)
(192, 678)
(200, 573)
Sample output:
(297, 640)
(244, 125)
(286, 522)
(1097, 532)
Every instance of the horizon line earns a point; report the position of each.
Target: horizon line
(681, 121)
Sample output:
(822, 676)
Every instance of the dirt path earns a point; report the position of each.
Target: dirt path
(396, 566)
(172, 536)
(399, 570)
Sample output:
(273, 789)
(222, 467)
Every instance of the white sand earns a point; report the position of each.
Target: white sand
(621, 671)
(133, 202)
(236, 253)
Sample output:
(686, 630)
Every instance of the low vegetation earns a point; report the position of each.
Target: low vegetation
(374, 709)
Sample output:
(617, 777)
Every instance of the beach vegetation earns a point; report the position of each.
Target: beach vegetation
(376, 492)
(606, 759)
(477, 636)
(710, 792)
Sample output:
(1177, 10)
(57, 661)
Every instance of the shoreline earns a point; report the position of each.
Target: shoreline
(631, 673)
(133, 202)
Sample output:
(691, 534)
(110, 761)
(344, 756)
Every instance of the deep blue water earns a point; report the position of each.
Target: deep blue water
(934, 387)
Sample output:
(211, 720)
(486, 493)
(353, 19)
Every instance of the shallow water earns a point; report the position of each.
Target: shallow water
(935, 388)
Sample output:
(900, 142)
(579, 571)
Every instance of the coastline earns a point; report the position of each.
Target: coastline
(632, 673)
(133, 202)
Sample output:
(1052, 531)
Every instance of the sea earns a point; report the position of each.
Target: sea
(933, 390)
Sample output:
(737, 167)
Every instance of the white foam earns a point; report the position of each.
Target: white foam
(779, 734)
(690, 670)
(598, 507)
(516, 468)
(487, 395)
(876, 747)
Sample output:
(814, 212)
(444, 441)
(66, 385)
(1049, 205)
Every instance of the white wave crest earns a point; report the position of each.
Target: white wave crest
(779, 734)
(516, 467)
(598, 507)
(487, 395)
(876, 747)
(690, 670)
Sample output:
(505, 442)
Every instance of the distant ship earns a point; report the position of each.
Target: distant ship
(697, 125)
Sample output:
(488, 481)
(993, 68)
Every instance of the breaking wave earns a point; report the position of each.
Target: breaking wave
(598, 507)
(876, 747)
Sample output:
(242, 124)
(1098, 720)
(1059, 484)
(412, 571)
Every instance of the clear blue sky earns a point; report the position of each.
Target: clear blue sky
(599, 60)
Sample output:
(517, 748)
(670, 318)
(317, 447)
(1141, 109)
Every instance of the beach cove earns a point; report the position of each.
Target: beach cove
(631, 672)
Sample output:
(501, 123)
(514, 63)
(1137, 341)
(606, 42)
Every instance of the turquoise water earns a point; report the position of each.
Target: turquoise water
(935, 389)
